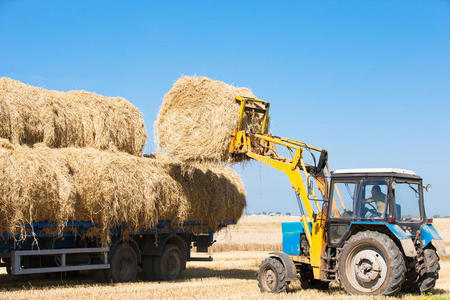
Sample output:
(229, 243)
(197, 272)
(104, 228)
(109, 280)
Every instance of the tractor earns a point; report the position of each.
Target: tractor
(365, 229)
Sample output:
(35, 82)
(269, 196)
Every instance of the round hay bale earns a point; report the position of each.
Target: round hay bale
(197, 117)
(35, 187)
(30, 115)
(215, 192)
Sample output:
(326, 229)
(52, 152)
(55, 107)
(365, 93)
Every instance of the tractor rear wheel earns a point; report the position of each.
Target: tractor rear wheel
(371, 264)
(432, 267)
(272, 276)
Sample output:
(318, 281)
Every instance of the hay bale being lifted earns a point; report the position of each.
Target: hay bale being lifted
(30, 115)
(197, 117)
(58, 185)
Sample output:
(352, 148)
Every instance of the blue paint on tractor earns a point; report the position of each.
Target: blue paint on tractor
(367, 223)
(429, 233)
(397, 231)
(291, 236)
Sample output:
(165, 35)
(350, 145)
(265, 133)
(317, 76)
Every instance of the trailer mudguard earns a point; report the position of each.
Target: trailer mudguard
(289, 266)
(430, 235)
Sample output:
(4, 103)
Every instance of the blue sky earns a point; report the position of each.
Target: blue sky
(367, 80)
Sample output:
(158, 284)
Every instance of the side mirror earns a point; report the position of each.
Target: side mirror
(428, 187)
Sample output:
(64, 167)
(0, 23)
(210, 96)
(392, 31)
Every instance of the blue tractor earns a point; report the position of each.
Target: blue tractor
(364, 228)
(378, 239)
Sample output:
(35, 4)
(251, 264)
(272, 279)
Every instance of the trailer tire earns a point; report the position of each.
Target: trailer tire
(371, 264)
(169, 265)
(123, 264)
(272, 276)
(432, 267)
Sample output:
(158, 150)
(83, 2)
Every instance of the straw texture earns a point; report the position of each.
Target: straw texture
(197, 117)
(30, 115)
(58, 185)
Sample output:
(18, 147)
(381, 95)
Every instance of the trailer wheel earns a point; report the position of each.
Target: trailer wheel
(123, 264)
(169, 265)
(272, 276)
(371, 264)
(432, 267)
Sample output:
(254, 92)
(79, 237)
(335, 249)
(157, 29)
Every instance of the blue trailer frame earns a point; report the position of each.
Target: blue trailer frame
(65, 244)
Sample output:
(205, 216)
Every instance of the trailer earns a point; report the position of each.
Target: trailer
(159, 253)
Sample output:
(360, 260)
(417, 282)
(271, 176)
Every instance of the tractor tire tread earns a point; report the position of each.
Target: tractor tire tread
(280, 271)
(428, 280)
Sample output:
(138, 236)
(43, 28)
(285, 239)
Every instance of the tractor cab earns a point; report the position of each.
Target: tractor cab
(361, 197)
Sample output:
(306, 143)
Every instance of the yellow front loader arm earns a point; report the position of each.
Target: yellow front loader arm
(262, 147)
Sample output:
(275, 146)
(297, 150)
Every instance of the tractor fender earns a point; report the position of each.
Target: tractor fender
(289, 266)
(439, 245)
(393, 230)
(405, 240)
(430, 235)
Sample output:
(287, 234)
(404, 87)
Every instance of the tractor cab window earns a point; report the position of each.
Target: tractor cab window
(407, 201)
(372, 199)
(343, 199)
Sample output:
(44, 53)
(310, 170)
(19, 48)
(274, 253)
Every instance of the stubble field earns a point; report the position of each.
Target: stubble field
(232, 275)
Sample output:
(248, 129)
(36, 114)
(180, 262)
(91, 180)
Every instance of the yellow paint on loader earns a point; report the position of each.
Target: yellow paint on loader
(262, 147)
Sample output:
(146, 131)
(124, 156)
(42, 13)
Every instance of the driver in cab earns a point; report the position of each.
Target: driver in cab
(378, 197)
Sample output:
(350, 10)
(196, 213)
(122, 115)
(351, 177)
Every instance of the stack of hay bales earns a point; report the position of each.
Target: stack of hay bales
(45, 177)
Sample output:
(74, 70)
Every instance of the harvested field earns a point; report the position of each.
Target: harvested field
(197, 117)
(57, 185)
(251, 233)
(232, 275)
(30, 115)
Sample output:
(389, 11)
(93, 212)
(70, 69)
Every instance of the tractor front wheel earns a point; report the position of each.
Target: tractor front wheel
(371, 264)
(272, 276)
